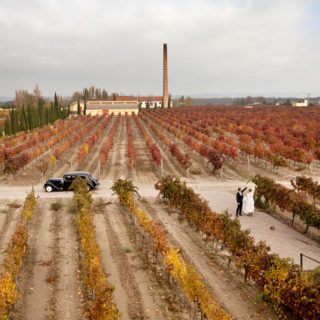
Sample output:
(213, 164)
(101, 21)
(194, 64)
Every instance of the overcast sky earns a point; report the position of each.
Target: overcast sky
(214, 46)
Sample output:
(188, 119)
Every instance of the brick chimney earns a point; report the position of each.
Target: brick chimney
(165, 77)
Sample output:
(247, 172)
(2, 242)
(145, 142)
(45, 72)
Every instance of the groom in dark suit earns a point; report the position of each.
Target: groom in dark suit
(240, 201)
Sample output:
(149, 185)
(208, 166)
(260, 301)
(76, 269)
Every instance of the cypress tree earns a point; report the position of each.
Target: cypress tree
(57, 107)
(41, 112)
(53, 110)
(22, 122)
(35, 117)
(7, 127)
(63, 113)
(51, 114)
(78, 108)
(46, 115)
(25, 118)
(14, 121)
(29, 117)
(85, 107)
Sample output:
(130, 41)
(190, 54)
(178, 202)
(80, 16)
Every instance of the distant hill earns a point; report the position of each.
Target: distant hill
(197, 101)
(206, 101)
(6, 99)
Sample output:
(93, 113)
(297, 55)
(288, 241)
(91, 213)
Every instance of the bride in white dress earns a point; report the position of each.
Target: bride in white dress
(248, 203)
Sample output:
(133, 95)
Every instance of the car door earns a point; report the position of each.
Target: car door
(67, 181)
(85, 178)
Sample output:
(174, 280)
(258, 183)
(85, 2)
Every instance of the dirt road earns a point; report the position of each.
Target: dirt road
(48, 281)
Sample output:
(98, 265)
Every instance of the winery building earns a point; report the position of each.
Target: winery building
(100, 107)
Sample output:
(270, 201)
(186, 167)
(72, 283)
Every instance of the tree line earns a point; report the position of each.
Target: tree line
(31, 116)
(93, 93)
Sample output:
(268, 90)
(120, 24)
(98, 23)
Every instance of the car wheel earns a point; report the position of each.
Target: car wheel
(48, 188)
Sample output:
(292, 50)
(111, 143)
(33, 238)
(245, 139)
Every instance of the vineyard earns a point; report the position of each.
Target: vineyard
(154, 240)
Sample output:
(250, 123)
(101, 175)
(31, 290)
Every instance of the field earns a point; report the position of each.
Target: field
(167, 253)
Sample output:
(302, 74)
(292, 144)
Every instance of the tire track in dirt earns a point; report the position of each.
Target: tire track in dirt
(91, 164)
(9, 217)
(115, 263)
(113, 153)
(128, 272)
(238, 298)
(67, 255)
(32, 284)
(43, 286)
(116, 165)
(145, 170)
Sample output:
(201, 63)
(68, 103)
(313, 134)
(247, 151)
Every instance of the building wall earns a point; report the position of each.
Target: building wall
(99, 112)
(74, 106)
(153, 104)
(94, 112)
(305, 103)
(101, 102)
(124, 111)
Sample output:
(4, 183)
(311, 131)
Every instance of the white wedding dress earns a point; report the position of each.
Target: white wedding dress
(248, 203)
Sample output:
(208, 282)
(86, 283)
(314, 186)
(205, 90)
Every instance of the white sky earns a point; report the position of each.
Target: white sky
(214, 46)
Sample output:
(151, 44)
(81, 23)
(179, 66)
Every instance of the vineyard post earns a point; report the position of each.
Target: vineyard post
(99, 165)
(310, 168)
(249, 166)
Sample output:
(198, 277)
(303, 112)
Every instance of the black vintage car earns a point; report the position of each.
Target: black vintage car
(58, 184)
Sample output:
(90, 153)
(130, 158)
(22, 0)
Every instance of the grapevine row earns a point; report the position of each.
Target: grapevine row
(13, 164)
(282, 281)
(131, 150)
(107, 145)
(88, 144)
(99, 304)
(36, 137)
(212, 156)
(286, 199)
(229, 150)
(16, 250)
(75, 135)
(182, 158)
(277, 132)
(185, 276)
(152, 147)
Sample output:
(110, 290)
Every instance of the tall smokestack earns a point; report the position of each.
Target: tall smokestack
(165, 77)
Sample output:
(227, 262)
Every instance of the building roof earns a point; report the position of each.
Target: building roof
(151, 98)
(126, 98)
(110, 106)
(139, 98)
